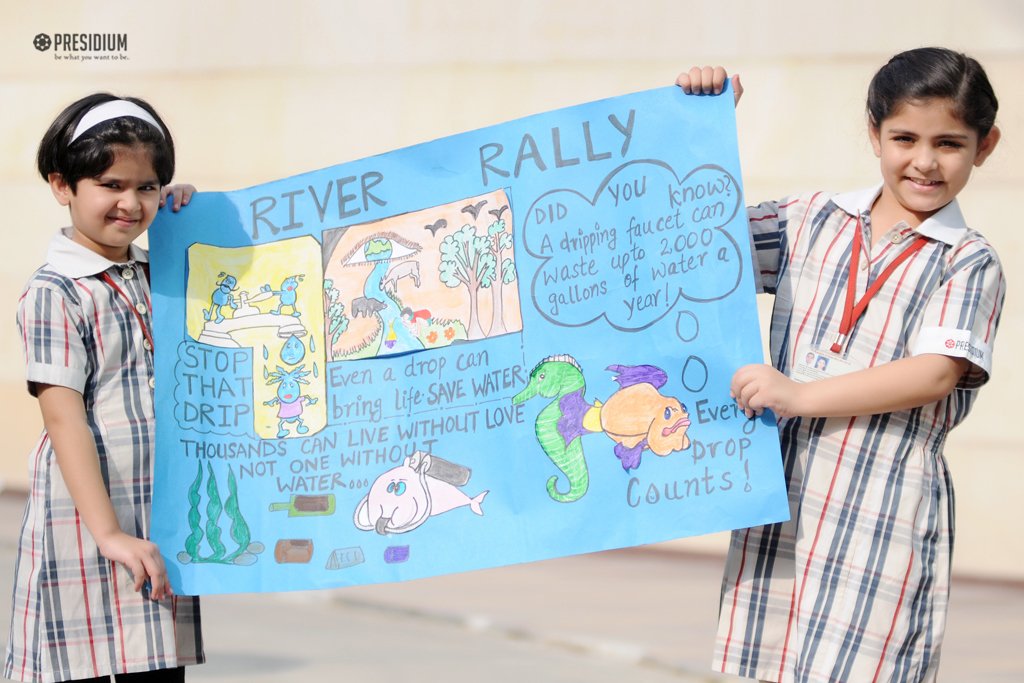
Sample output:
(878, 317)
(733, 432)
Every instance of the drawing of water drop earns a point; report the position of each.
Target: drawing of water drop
(687, 326)
(266, 354)
(316, 370)
(695, 374)
(266, 375)
(293, 351)
(312, 344)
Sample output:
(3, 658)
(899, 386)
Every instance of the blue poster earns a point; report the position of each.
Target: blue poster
(502, 346)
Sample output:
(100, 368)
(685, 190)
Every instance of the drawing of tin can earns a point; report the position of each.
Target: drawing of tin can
(293, 550)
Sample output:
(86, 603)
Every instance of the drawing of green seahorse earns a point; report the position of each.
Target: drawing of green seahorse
(559, 425)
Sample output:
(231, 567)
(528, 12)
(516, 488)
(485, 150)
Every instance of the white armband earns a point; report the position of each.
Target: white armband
(950, 341)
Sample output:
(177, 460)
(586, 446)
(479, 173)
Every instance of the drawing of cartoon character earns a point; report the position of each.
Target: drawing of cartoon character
(561, 378)
(289, 400)
(638, 417)
(288, 294)
(221, 296)
(404, 497)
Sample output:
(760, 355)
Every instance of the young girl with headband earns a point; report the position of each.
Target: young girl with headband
(91, 597)
(901, 299)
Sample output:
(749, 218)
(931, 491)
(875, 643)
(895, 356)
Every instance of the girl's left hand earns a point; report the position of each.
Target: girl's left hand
(757, 387)
(180, 195)
(709, 80)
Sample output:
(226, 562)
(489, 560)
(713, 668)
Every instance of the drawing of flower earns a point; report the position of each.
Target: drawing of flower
(432, 336)
(449, 333)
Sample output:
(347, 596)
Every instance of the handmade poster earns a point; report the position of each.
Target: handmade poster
(503, 346)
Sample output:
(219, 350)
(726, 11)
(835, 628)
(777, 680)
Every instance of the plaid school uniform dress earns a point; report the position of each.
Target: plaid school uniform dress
(76, 614)
(854, 588)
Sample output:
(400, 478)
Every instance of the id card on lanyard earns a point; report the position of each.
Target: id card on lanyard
(813, 363)
(819, 362)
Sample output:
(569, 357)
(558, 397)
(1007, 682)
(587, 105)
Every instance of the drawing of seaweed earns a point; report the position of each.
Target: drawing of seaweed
(196, 537)
(213, 509)
(247, 550)
(239, 529)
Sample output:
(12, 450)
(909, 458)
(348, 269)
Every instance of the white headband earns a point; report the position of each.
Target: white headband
(114, 109)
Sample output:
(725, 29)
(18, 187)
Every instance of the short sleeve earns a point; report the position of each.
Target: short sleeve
(961, 316)
(766, 242)
(51, 327)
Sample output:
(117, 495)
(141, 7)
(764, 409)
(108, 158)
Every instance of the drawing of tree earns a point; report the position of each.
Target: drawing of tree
(337, 320)
(500, 241)
(466, 260)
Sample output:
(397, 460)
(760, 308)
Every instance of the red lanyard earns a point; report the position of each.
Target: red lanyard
(853, 311)
(138, 316)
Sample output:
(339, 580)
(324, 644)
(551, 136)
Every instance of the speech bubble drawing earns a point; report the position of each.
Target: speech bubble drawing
(645, 240)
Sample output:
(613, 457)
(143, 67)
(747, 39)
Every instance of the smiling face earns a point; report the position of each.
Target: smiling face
(109, 211)
(927, 154)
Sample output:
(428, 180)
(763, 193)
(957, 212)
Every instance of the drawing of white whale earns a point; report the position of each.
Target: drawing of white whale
(404, 497)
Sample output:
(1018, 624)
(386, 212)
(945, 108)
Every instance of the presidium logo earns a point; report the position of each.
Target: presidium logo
(970, 350)
(84, 47)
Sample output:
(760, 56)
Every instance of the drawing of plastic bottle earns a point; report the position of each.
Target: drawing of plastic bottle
(307, 506)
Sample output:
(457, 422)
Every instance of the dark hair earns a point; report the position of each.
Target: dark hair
(934, 72)
(92, 153)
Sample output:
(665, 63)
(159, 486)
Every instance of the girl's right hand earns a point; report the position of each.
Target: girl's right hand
(180, 195)
(708, 80)
(143, 560)
(759, 386)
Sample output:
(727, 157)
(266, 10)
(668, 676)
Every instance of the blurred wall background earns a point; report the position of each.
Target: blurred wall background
(258, 90)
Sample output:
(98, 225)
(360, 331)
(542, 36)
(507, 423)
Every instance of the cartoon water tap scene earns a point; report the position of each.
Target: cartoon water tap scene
(503, 346)
(249, 291)
(636, 417)
(422, 280)
(255, 297)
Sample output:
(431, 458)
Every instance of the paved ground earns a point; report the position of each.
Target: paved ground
(643, 616)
